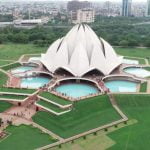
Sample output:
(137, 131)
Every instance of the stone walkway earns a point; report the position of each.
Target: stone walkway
(148, 86)
(24, 112)
(146, 62)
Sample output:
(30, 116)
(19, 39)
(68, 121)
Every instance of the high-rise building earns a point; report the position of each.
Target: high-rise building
(75, 5)
(148, 7)
(83, 16)
(126, 8)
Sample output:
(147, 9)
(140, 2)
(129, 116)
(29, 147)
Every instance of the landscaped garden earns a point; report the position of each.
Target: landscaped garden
(134, 52)
(140, 60)
(4, 106)
(143, 87)
(3, 78)
(50, 106)
(17, 90)
(54, 98)
(87, 114)
(15, 51)
(21, 49)
(4, 62)
(147, 68)
(25, 138)
(134, 137)
(11, 66)
(11, 96)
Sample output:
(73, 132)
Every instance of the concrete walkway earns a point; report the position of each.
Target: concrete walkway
(146, 62)
(148, 86)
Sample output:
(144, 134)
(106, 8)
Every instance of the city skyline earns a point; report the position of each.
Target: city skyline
(79, 0)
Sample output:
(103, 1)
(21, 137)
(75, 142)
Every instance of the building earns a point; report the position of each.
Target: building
(83, 16)
(148, 8)
(75, 5)
(139, 9)
(126, 8)
(81, 52)
(31, 22)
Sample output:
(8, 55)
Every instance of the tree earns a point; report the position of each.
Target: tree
(133, 42)
(123, 43)
(147, 42)
(20, 38)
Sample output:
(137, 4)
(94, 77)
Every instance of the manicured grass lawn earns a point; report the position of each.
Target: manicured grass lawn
(3, 78)
(143, 87)
(141, 61)
(137, 136)
(4, 106)
(87, 114)
(2, 62)
(134, 52)
(14, 51)
(50, 106)
(11, 66)
(147, 68)
(16, 90)
(18, 97)
(25, 138)
(92, 142)
(54, 98)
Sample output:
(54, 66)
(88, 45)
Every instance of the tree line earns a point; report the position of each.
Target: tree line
(117, 31)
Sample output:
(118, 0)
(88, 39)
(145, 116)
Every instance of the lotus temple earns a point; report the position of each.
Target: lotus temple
(78, 65)
(75, 68)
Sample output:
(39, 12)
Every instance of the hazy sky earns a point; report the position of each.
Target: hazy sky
(84, 0)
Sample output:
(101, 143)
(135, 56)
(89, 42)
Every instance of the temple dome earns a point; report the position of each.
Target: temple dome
(80, 52)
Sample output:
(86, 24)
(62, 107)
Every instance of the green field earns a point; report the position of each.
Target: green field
(18, 97)
(134, 52)
(86, 115)
(11, 66)
(17, 90)
(25, 138)
(49, 106)
(14, 51)
(3, 79)
(54, 98)
(143, 87)
(147, 68)
(4, 106)
(3, 62)
(134, 137)
(141, 61)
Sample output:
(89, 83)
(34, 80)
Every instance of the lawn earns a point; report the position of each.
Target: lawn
(14, 51)
(3, 78)
(49, 106)
(11, 66)
(87, 114)
(137, 136)
(54, 98)
(4, 106)
(141, 61)
(134, 52)
(25, 138)
(17, 90)
(17, 97)
(3, 62)
(143, 87)
(147, 68)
